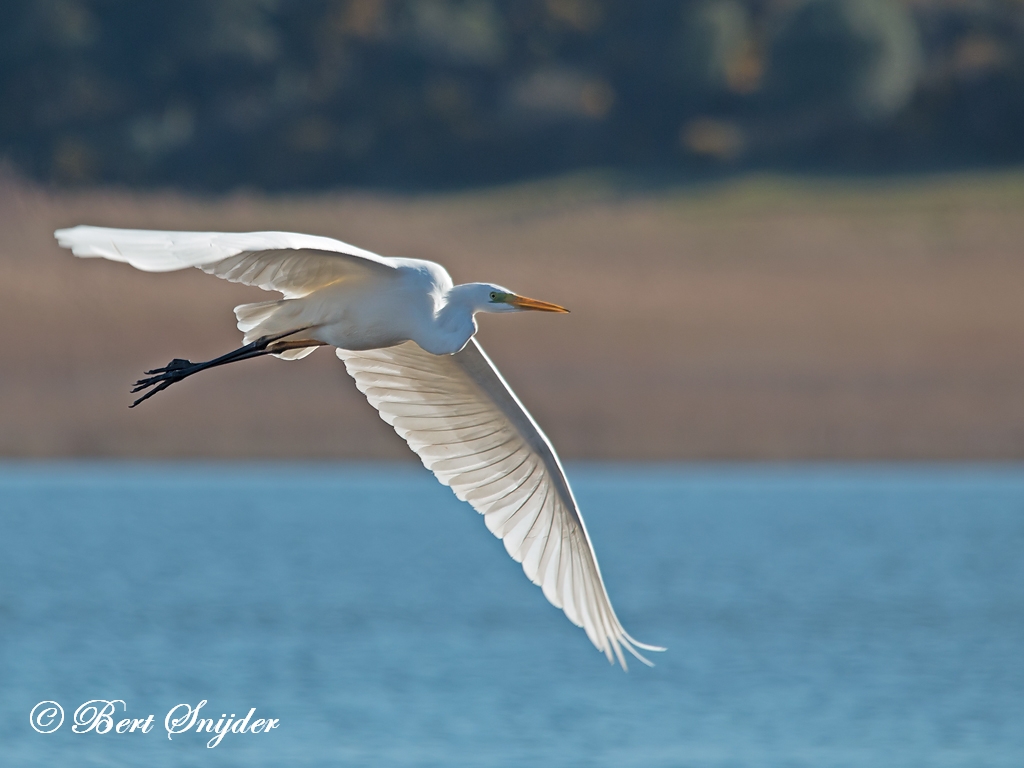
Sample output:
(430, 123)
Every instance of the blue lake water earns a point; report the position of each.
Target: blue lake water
(815, 616)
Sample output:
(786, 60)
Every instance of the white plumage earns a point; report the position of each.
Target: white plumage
(405, 334)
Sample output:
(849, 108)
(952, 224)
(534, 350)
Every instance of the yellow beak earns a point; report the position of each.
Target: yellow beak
(521, 302)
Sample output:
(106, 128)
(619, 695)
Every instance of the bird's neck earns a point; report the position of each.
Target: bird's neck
(454, 323)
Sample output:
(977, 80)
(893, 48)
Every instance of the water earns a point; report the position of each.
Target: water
(814, 617)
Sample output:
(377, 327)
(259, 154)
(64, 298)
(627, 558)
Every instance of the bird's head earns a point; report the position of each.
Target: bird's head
(487, 297)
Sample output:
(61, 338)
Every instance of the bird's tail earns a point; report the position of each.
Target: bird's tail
(270, 318)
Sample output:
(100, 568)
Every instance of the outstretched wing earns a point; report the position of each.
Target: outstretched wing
(472, 432)
(291, 263)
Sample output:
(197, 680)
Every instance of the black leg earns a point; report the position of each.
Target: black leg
(160, 379)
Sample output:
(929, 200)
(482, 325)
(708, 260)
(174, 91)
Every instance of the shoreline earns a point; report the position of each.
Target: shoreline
(759, 319)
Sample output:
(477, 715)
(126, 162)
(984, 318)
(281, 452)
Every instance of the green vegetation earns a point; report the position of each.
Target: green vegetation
(280, 94)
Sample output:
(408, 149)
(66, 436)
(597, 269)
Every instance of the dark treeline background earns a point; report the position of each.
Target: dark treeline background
(279, 94)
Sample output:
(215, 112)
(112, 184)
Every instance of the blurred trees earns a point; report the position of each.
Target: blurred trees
(210, 94)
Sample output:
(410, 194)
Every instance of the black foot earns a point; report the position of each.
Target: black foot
(161, 378)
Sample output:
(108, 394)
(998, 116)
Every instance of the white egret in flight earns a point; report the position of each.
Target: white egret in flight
(405, 333)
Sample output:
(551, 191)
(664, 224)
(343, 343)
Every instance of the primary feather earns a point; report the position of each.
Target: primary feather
(294, 264)
(458, 414)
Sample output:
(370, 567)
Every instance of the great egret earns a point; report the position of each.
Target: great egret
(405, 333)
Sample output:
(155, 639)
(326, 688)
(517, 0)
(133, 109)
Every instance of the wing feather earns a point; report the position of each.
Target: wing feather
(292, 263)
(470, 430)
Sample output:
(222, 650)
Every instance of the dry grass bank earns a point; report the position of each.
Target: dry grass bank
(760, 319)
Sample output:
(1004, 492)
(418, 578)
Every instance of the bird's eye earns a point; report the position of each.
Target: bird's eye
(494, 295)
